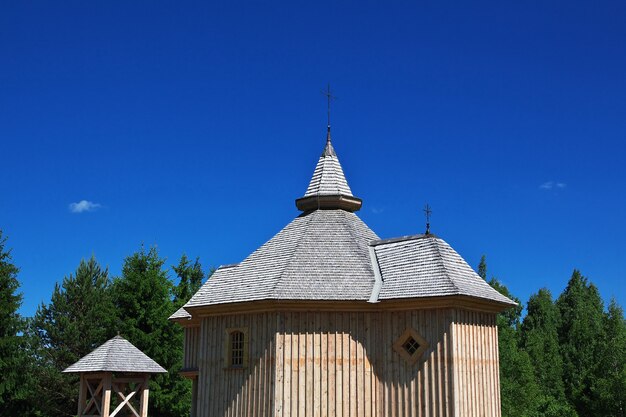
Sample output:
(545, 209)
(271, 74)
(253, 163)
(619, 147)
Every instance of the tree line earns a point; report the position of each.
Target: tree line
(565, 357)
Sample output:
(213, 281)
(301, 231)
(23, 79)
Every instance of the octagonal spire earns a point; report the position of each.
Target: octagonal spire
(328, 188)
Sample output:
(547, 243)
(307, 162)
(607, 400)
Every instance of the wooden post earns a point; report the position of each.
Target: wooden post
(106, 394)
(143, 400)
(194, 396)
(81, 395)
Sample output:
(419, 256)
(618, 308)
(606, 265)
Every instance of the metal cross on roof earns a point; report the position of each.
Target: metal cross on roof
(329, 96)
(428, 212)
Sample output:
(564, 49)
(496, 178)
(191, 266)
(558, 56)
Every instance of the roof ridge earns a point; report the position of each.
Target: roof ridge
(443, 265)
(355, 238)
(293, 253)
(401, 239)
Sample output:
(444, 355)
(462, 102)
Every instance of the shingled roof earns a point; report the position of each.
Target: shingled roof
(320, 255)
(328, 187)
(327, 253)
(426, 266)
(181, 313)
(116, 355)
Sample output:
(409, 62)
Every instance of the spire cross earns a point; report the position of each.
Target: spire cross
(329, 96)
(428, 212)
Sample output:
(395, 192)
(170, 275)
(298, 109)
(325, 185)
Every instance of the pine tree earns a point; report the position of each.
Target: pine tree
(482, 267)
(539, 337)
(15, 371)
(581, 333)
(609, 385)
(80, 317)
(519, 390)
(512, 315)
(144, 299)
(190, 278)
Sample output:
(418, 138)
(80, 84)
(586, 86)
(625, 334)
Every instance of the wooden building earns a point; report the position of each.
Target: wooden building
(327, 319)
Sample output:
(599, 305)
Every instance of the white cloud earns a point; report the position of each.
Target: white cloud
(377, 210)
(552, 184)
(83, 206)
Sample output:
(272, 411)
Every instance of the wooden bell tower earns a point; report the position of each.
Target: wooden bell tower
(114, 378)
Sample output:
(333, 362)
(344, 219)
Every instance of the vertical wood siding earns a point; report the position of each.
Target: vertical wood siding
(191, 347)
(327, 364)
(476, 370)
(343, 364)
(237, 392)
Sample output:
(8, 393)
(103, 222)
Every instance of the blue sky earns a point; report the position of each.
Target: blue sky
(194, 126)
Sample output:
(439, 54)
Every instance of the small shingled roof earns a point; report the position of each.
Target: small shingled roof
(328, 187)
(426, 266)
(328, 177)
(181, 313)
(116, 355)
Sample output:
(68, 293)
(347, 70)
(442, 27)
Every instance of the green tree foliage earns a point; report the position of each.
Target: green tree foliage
(518, 388)
(540, 339)
(190, 276)
(80, 317)
(15, 381)
(548, 406)
(609, 385)
(144, 298)
(522, 392)
(512, 315)
(482, 267)
(581, 336)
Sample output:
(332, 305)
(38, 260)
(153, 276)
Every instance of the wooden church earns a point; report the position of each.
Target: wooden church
(326, 319)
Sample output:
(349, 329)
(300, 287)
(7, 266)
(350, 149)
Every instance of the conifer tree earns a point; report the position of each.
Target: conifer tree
(581, 333)
(518, 388)
(190, 278)
(144, 298)
(539, 337)
(80, 317)
(609, 385)
(482, 267)
(15, 371)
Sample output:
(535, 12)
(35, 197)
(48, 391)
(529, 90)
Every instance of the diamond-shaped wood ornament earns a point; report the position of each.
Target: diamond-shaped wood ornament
(410, 345)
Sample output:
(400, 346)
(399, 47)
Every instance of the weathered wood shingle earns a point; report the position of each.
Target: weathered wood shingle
(328, 177)
(426, 266)
(181, 313)
(116, 355)
(320, 255)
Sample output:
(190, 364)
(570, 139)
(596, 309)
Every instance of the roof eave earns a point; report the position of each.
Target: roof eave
(274, 305)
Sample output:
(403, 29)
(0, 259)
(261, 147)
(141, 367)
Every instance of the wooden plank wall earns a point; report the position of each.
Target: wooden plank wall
(236, 392)
(344, 365)
(327, 364)
(191, 346)
(476, 370)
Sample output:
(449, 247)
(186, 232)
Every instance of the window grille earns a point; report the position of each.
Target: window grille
(237, 339)
(410, 345)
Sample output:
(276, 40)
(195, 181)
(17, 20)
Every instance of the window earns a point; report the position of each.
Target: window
(236, 355)
(410, 345)
(236, 349)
